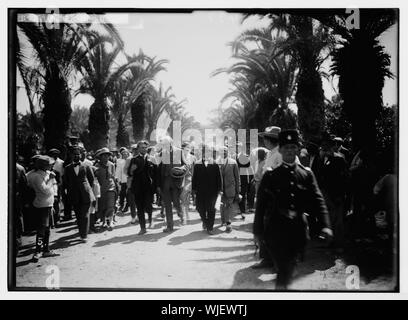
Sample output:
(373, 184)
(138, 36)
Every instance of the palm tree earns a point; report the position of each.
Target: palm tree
(55, 51)
(33, 85)
(264, 79)
(145, 70)
(362, 66)
(100, 72)
(161, 100)
(120, 109)
(307, 41)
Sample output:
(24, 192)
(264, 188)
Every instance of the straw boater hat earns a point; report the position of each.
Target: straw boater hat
(102, 151)
(271, 132)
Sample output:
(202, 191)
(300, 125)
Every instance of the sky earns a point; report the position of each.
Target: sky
(196, 45)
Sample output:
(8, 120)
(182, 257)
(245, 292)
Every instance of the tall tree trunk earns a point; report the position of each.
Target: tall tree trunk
(57, 111)
(360, 85)
(122, 136)
(98, 125)
(138, 117)
(309, 95)
(310, 103)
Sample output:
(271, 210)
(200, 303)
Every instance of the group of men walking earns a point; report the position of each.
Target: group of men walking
(299, 192)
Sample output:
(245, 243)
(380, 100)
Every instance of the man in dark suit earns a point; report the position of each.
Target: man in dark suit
(78, 182)
(143, 173)
(170, 180)
(333, 182)
(284, 195)
(206, 185)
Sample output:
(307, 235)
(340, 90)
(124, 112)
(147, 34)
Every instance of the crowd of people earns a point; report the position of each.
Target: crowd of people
(297, 190)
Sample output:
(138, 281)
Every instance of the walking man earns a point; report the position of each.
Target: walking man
(121, 178)
(105, 173)
(189, 161)
(246, 174)
(334, 184)
(79, 181)
(171, 173)
(272, 161)
(230, 187)
(130, 195)
(206, 185)
(143, 173)
(270, 139)
(41, 181)
(284, 195)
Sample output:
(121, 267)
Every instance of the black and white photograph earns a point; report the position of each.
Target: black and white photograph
(203, 149)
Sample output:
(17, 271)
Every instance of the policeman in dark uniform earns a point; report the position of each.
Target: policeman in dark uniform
(284, 196)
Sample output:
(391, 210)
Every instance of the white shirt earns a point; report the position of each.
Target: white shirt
(76, 169)
(120, 173)
(59, 167)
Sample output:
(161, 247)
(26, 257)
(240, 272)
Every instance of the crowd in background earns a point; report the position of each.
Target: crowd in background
(98, 186)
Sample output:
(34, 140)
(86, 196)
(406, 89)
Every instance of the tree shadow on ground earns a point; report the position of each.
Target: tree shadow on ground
(374, 259)
(251, 279)
(60, 243)
(67, 229)
(316, 258)
(193, 236)
(240, 258)
(226, 249)
(148, 237)
(64, 224)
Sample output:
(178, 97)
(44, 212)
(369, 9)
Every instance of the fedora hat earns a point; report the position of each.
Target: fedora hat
(43, 161)
(178, 172)
(102, 151)
(271, 132)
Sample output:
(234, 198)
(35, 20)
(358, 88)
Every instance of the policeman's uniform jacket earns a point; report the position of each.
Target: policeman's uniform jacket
(284, 196)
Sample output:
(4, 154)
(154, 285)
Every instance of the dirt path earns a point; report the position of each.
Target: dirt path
(188, 258)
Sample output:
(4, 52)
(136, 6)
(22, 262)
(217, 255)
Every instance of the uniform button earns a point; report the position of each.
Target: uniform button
(292, 172)
(292, 183)
(292, 195)
(292, 206)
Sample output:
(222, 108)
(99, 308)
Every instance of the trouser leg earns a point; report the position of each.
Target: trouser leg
(166, 198)
(211, 212)
(56, 210)
(227, 204)
(175, 195)
(200, 206)
(251, 193)
(285, 268)
(43, 229)
(110, 205)
(244, 191)
(67, 209)
(335, 207)
(139, 200)
(83, 216)
(131, 199)
(148, 205)
(122, 195)
(264, 253)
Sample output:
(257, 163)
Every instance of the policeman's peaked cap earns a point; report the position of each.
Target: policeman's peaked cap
(289, 137)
